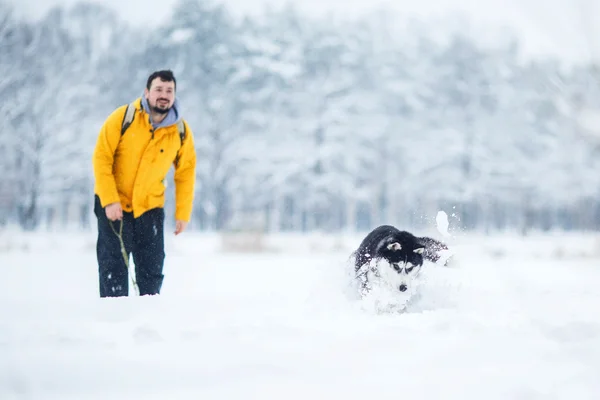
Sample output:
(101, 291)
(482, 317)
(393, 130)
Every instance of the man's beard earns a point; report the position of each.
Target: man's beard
(161, 110)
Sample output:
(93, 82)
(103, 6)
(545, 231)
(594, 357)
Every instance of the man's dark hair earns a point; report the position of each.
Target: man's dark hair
(165, 75)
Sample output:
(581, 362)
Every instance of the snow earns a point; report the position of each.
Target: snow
(512, 317)
(442, 223)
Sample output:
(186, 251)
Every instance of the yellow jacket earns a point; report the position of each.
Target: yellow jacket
(132, 169)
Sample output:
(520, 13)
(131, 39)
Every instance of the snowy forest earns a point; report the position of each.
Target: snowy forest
(302, 123)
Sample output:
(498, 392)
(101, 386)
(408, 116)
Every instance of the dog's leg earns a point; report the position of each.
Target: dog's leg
(361, 276)
(364, 285)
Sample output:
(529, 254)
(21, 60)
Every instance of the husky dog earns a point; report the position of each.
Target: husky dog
(394, 257)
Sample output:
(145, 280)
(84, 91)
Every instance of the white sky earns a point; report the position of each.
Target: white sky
(570, 28)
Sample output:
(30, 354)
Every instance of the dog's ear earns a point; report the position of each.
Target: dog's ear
(420, 250)
(394, 246)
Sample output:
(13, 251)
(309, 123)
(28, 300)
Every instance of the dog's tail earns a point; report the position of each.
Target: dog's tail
(432, 247)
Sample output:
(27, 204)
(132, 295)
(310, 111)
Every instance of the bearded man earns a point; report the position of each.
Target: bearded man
(136, 147)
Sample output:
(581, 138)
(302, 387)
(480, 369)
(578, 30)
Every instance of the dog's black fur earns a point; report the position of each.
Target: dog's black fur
(375, 246)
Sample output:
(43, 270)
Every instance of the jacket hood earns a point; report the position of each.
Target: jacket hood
(173, 116)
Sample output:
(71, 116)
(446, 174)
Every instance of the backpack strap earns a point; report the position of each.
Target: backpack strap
(181, 129)
(128, 117)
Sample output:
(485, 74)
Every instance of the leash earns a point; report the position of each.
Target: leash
(124, 253)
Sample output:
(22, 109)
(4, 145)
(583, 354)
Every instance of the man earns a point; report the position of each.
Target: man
(130, 170)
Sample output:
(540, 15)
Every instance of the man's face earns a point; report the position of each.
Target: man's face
(160, 96)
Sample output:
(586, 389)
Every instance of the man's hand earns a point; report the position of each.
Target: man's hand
(114, 211)
(180, 226)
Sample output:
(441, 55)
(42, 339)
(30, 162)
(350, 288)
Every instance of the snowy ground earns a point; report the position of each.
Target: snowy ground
(514, 318)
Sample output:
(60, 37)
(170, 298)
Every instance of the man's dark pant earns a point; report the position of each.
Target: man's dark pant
(143, 238)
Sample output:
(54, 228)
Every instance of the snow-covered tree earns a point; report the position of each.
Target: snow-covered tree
(304, 123)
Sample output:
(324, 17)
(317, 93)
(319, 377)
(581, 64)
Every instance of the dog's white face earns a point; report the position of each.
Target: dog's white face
(398, 276)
